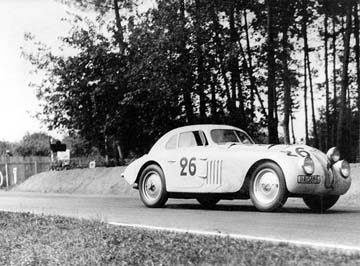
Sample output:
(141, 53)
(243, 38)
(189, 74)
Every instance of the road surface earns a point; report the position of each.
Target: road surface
(339, 227)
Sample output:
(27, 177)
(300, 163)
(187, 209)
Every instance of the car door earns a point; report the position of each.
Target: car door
(187, 163)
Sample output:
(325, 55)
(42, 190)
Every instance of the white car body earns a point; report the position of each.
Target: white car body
(225, 168)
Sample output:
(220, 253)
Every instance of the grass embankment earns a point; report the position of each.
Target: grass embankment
(26, 239)
(97, 181)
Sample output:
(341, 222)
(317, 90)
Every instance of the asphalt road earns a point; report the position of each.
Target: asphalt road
(339, 226)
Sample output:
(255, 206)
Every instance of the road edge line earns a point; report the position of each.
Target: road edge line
(320, 245)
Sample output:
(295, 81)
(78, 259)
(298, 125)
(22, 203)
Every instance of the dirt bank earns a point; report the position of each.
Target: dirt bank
(100, 180)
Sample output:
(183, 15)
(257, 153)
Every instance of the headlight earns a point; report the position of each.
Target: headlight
(308, 166)
(333, 155)
(345, 169)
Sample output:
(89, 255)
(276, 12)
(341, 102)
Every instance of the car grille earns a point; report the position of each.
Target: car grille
(214, 172)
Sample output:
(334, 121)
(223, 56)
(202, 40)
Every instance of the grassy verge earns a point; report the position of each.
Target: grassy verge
(27, 239)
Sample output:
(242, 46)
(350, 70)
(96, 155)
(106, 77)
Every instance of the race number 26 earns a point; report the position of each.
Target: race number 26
(187, 166)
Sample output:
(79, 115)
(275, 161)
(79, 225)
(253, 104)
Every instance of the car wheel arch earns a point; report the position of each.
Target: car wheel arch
(246, 185)
(143, 168)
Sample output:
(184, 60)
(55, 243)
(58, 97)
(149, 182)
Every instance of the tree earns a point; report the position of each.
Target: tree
(304, 35)
(334, 140)
(83, 92)
(341, 141)
(305, 18)
(327, 90)
(194, 61)
(288, 10)
(35, 144)
(357, 60)
(272, 121)
(78, 146)
(250, 68)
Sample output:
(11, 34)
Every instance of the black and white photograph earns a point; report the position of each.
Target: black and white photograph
(179, 132)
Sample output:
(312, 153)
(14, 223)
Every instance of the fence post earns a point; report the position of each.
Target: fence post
(6, 173)
(36, 167)
(15, 175)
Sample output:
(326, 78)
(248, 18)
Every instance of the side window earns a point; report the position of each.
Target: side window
(187, 139)
(171, 144)
(203, 138)
(192, 138)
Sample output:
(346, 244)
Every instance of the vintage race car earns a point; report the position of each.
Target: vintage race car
(215, 162)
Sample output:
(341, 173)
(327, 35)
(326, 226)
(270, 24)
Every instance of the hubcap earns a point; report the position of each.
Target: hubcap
(152, 186)
(266, 186)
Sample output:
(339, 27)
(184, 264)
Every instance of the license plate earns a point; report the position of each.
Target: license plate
(308, 179)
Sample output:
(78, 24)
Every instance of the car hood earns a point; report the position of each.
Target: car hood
(289, 150)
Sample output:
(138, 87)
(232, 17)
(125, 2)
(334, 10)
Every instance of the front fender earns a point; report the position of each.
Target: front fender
(131, 172)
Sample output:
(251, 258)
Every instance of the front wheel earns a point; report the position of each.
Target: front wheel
(267, 187)
(152, 187)
(320, 203)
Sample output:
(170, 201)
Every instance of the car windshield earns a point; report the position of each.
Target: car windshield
(222, 136)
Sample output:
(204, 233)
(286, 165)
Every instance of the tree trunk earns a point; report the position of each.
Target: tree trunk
(287, 93)
(357, 59)
(120, 154)
(236, 88)
(327, 115)
(219, 49)
(213, 105)
(249, 66)
(316, 137)
(287, 15)
(292, 129)
(200, 64)
(272, 123)
(344, 82)
(307, 65)
(304, 34)
(119, 36)
(186, 76)
(334, 81)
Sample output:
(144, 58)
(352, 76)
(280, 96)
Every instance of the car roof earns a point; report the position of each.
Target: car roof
(205, 127)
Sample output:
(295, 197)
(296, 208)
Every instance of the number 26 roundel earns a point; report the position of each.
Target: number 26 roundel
(188, 167)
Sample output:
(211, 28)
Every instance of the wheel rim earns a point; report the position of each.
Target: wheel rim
(152, 186)
(266, 186)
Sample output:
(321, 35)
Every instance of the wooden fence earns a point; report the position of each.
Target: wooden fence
(17, 168)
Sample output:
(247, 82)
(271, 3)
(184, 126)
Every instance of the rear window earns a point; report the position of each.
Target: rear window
(171, 144)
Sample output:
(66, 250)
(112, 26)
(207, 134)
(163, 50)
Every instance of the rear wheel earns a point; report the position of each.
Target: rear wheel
(208, 202)
(267, 187)
(320, 203)
(152, 187)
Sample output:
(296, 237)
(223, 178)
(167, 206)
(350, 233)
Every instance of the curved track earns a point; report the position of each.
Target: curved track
(339, 227)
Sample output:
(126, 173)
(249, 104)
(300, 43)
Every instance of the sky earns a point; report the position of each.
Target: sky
(18, 102)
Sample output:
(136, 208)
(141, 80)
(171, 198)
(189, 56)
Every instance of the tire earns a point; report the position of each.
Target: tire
(267, 187)
(152, 187)
(208, 202)
(320, 203)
